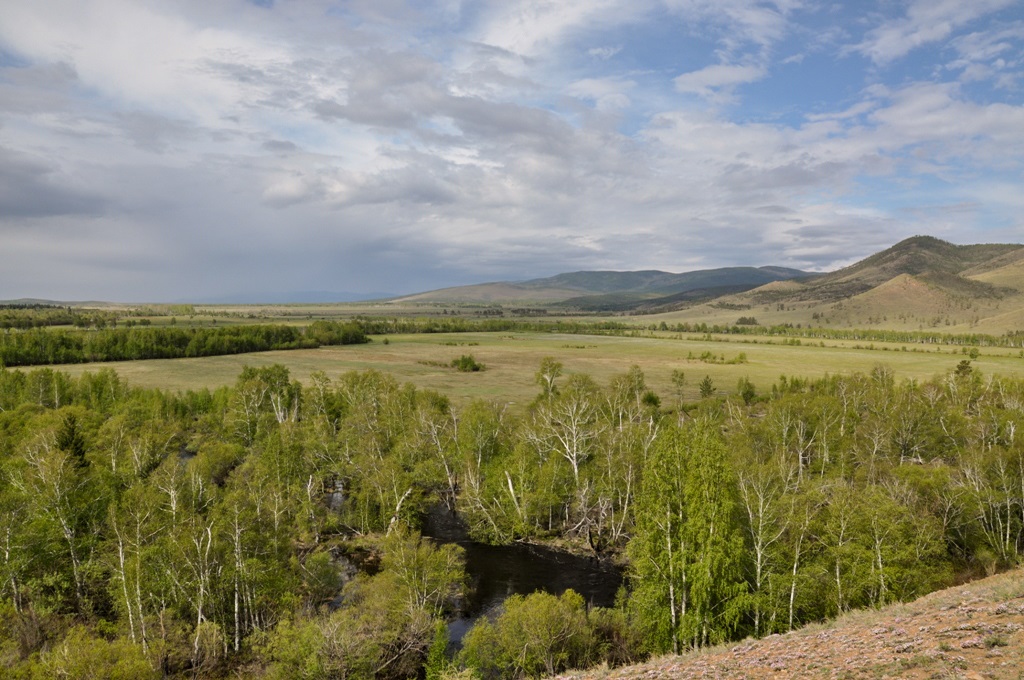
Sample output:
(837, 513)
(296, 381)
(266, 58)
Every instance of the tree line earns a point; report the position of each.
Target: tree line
(748, 326)
(37, 315)
(37, 347)
(211, 533)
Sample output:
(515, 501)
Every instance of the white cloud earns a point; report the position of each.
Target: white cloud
(529, 27)
(991, 55)
(136, 55)
(713, 81)
(926, 21)
(604, 52)
(608, 94)
(739, 21)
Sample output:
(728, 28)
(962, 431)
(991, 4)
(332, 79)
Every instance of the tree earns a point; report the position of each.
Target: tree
(422, 576)
(760, 492)
(686, 554)
(746, 390)
(535, 635)
(437, 656)
(707, 387)
(549, 371)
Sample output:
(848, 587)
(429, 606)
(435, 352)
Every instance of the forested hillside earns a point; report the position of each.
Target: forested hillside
(206, 534)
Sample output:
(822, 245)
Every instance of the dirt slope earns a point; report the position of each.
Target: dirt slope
(972, 631)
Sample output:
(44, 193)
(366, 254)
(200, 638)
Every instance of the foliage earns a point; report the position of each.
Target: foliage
(535, 635)
(687, 575)
(467, 364)
(706, 387)
(38, 346)
(437, 656)
(199, 532)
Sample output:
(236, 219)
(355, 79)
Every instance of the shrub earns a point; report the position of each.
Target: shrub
(467, 364)
(539, 634)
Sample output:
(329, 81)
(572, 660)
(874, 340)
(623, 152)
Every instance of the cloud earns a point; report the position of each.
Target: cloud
(991, 55)
(388, 146)
(739, 21)
(608, 94)
(712, 82)
(529, 27)
(604, 52)
(926, 21)
(34, 188)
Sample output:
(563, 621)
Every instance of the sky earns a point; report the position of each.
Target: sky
(215, 149)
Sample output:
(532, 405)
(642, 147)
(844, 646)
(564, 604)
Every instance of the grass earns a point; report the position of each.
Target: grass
(512, 360)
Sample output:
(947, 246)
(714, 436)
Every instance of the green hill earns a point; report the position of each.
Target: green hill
(608, 290)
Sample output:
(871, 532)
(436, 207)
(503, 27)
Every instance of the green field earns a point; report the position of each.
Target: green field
(511, 360)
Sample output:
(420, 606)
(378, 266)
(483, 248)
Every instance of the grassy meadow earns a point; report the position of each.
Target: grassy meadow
(512, 359)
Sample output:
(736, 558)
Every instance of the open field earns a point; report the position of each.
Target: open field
(511, 360)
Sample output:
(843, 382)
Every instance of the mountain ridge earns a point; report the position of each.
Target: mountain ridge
(640, 285)
(920, 283)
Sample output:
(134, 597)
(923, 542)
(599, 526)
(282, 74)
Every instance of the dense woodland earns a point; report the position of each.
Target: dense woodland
(150, 534)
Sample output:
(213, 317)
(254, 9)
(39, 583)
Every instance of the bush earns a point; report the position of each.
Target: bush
(84, 655)
(539, 634)
(467, 364)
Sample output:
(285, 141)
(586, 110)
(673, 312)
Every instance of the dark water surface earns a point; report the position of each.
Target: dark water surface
(497, 571)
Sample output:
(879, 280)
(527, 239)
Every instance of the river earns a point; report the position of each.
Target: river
(497, 571)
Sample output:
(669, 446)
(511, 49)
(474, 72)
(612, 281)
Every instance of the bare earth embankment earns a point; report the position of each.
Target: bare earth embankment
(972, 631)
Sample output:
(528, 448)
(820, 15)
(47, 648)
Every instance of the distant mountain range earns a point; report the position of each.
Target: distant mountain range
(289, 297)
(607, 290)
(921, 283)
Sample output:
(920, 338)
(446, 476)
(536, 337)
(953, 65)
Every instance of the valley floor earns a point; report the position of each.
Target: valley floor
(972, 631)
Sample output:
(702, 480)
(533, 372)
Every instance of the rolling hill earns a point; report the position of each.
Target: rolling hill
(932, 261)
(600, 290)
(921, 283)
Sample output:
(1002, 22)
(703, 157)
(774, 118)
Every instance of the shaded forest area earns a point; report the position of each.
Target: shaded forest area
(211, 534)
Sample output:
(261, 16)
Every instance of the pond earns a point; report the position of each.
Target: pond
(497, 571)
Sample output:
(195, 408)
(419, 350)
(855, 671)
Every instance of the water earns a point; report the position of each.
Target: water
(497, 571)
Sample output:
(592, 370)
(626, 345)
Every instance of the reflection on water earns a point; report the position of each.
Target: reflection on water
(497, 571)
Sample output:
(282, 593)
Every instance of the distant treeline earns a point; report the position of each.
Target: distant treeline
(25, 316)
(1015, 339)
(39, 347)
(382, 326)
